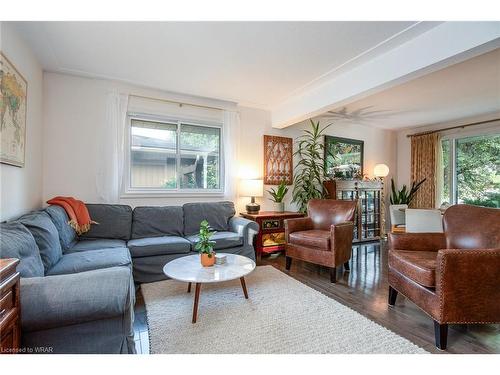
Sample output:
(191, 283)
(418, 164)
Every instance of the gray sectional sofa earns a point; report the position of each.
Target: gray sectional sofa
(77, 293)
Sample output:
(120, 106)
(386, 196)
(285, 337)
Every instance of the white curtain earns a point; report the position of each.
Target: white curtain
(111, 148)
(231, 129)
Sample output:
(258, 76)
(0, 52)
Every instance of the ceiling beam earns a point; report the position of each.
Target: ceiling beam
(444, 45)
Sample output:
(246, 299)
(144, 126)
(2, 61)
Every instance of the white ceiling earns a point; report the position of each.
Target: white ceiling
(462, 90)
(251, 63)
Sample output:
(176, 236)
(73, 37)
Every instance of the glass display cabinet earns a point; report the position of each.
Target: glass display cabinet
(368, 194)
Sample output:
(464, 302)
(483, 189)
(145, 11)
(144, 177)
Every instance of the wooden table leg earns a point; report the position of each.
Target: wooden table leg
(196, 300)
(244, 286)
(189, 287)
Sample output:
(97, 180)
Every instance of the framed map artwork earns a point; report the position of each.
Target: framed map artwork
(13, 94)
(278, 160)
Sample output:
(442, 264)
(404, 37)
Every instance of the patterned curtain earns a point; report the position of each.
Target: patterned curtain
(424, 163)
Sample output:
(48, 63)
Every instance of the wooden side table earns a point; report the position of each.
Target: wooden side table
(271, 236)
(10, 309)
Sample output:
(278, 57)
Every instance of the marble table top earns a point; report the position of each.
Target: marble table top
(189, 269)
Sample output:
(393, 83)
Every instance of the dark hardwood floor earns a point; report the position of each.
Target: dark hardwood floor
(365, 290)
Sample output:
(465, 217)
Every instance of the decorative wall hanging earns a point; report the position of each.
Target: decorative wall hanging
(13, 94)
(343, 158)
(278, 160)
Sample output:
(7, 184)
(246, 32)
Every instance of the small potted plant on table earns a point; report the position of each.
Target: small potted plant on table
(205, 246)
(278, 195)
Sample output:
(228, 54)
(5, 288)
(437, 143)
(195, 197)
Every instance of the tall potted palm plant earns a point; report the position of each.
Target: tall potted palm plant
(310, 169)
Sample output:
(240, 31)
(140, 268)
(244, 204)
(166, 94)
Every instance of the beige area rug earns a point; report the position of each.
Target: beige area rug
(281, 315)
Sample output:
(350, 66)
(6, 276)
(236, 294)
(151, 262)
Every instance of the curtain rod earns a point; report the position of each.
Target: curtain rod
(453, 127)
(176, 102)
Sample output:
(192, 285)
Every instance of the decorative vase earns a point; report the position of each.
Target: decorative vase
(279, 207)
(207, 260)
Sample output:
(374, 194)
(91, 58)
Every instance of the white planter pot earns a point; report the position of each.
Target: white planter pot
(279, 207)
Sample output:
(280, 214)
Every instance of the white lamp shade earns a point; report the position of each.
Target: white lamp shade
(381, 170)
(251, 188)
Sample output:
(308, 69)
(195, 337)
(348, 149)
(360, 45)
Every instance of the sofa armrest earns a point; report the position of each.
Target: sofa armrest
(55, 301)
(244, 227)
(341, 241)
(297, 225)
(467, 285)
(417, 241)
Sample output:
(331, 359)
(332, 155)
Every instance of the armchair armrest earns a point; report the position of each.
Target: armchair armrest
(417, 241)
(297, 225)
(467, 285)
(244, 227)
(341, 241)
(61, 300)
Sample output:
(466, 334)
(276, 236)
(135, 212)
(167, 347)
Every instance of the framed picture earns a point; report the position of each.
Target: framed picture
(278, 160)
(343, 157)
(13, 95)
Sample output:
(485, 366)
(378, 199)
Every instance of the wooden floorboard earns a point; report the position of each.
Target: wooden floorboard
(365, 290)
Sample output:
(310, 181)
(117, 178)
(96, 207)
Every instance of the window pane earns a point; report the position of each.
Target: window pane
(200, 157)
(153, 155)
(478, 170)
(446, 171)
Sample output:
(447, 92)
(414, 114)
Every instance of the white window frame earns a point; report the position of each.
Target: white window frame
(130, 192)
(453, 137)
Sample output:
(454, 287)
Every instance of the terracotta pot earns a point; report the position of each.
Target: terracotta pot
(207, 261)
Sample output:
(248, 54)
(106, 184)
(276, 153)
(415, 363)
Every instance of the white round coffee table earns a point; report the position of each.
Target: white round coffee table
(190, 270)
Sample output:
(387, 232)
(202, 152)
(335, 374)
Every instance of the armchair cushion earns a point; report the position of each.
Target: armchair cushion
(312, 238)
(298, 224)
(417, 241)
(419, 266)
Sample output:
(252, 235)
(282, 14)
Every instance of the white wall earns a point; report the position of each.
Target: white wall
(404, 144)
(21, 188)
(75, 108)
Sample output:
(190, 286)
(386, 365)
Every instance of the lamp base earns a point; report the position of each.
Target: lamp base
(253, 208)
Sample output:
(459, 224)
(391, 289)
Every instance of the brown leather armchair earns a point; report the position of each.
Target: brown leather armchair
(453, 276)
(324, 237)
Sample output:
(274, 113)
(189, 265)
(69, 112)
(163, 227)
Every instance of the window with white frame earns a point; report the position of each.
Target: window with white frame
(471, 169)
(174, 157)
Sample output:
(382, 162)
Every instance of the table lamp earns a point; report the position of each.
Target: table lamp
(252, 189)
(381, 170)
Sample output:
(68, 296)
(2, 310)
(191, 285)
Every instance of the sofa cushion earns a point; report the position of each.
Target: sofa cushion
(420, 266)
(157, 221)
(143, 247)
(311, 238)
(97, 244)
(114, 221)
(16, 241)
(223, 240)
(216, 213)
(67, 235)
(46, 236)
(91, 260)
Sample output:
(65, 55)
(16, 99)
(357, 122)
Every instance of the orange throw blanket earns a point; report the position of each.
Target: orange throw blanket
(79, 218)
